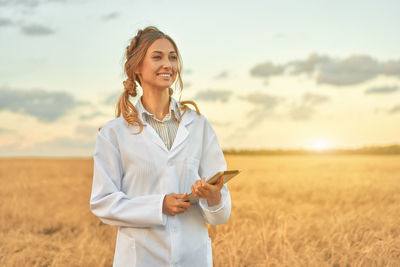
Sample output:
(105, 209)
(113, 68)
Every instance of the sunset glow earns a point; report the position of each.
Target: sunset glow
(320, 144)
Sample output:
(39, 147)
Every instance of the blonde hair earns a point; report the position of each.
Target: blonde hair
(135, 53)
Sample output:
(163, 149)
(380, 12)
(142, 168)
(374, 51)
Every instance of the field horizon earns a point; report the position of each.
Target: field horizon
(393, 149)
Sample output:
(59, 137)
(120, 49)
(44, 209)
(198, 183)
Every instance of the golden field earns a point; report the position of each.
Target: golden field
(286, 211)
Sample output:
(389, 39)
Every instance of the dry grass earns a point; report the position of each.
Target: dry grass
(287, 211)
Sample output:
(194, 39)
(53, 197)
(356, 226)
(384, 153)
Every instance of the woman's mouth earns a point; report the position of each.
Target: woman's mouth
(164, 75)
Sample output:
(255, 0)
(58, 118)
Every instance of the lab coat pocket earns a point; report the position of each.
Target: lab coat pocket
(125, 251)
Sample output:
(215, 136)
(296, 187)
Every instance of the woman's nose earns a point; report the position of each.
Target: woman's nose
(167, 64)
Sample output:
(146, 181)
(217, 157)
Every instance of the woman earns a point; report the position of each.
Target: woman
(150, 157)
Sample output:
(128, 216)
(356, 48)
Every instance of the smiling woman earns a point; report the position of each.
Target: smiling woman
(150, 157)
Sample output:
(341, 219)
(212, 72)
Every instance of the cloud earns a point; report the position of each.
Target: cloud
(352, 70)
(5, 22)
(266, 69)
(382, 90)
(28, 3)
(262, 100)
(110, 16)
(394, 109)
(214, 95)
(264, 106)
(301, 113)
(45, 106)
(222, 75)
(187, 71)
(112, 98)
(27, 9)
(309, 65)
(36, 30)
(23, 3)
(30, 30)
(392, 67)
(187, 84)
(306, 108)
(314, 99)
(3, 130)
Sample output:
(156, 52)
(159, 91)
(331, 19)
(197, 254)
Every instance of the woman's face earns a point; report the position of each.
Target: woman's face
(159, 67)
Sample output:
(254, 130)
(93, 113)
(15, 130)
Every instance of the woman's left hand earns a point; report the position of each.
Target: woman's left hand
(212, 193)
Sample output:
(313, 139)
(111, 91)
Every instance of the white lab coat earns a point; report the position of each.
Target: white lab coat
(133, 173)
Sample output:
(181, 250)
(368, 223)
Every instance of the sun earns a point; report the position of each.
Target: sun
(320, 144)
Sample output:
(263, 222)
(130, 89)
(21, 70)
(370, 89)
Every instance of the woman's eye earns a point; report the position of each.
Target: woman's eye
(171, 57)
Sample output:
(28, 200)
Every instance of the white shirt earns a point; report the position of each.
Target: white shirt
(167, 127)
(133, 173)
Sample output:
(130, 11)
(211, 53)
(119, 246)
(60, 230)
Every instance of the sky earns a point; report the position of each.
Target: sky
(266, 74)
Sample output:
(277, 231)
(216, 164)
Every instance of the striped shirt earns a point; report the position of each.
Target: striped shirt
(165, 128)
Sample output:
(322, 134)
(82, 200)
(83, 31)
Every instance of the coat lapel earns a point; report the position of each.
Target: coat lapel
(149, 132)
(182, 132)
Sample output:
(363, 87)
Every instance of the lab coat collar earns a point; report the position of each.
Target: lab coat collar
(181, 134)
(185, 120)
(173, 110)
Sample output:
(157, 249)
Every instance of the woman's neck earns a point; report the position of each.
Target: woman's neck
(156, 102)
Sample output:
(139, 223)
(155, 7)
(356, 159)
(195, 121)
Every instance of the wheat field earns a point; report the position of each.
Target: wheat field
(286, 211)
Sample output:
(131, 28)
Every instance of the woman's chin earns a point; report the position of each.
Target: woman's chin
(165, 85)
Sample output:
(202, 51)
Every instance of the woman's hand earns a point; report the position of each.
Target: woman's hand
(173, 204)
(212, 193)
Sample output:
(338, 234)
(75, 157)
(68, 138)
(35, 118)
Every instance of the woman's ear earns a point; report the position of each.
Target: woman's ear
(137, 74)
(137, 70)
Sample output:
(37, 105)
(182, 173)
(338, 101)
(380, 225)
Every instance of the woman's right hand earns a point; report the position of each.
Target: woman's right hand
(174, 204)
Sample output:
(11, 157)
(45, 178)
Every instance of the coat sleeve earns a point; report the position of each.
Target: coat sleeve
(212, 161)
(108, 202)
